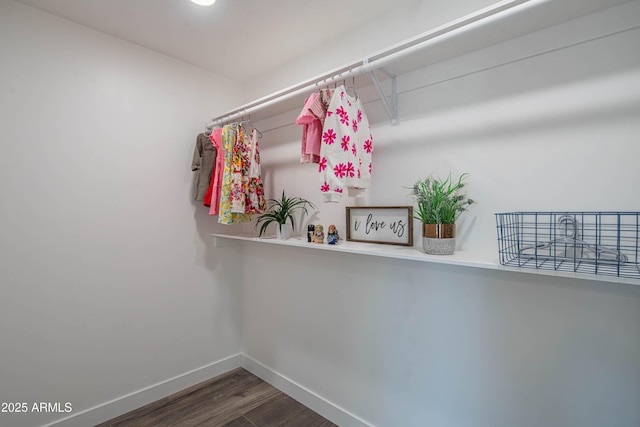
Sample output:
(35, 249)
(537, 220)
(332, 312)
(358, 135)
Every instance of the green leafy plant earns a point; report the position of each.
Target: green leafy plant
(282, 210)
(440, 201)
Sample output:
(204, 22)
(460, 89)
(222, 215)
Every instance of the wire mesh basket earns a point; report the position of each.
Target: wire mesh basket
(583, 242)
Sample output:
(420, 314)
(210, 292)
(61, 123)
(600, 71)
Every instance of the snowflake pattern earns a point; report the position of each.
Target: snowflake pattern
(325, 187)
(354, 124)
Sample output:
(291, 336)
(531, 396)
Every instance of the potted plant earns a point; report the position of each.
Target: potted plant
(280, 211)
(440, 203)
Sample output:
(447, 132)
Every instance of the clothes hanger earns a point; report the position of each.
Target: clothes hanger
(250, 126)
(352, 87)
(572, 238)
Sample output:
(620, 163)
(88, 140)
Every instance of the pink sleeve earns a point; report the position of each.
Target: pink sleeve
(316, 107)
(309, 112)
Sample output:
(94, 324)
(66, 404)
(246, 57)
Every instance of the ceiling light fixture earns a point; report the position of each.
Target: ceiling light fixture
(204, 2)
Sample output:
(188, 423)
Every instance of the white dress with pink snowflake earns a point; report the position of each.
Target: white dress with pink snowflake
(345, 152)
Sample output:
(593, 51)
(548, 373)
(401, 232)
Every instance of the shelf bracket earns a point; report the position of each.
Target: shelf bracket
(390, 103)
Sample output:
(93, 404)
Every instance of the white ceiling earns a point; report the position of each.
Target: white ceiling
(269, 33)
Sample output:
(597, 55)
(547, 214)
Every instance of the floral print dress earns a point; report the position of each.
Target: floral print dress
(226, 214)
(240, 171)
(345, 152)
(254, 192)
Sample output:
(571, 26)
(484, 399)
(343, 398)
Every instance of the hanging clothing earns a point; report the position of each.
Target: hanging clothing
(212, 198)
(347, 144)
(204, 159)
(254, 201)
(325, 97)
(311, 119)
(240, 171)
(225, 214)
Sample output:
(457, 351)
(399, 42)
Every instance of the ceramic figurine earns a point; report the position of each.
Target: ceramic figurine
(310, 230)
(332, 235)
(318, 234)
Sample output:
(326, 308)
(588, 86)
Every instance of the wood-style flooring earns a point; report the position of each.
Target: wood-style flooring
(235, 399)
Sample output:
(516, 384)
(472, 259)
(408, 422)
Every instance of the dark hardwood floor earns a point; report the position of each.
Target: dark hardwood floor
(235, 399)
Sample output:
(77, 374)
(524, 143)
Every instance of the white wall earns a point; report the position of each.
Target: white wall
(545, 122)
(407, 19)
(109, 280)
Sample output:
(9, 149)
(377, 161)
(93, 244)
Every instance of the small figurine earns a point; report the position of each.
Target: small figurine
(310, 230)
(318, 234)
(332, 235)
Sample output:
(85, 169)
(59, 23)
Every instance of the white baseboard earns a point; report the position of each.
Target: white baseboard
(137, 399)
(319, 404)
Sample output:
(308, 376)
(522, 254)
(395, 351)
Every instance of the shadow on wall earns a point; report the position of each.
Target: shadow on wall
(211, 257)
(599, 100)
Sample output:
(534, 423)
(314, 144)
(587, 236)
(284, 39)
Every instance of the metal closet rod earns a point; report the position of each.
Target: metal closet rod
(477, 19)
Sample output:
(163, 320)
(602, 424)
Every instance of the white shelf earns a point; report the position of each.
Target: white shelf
(460, 258)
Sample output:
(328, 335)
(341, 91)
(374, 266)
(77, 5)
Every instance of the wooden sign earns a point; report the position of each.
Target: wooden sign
(391, 225)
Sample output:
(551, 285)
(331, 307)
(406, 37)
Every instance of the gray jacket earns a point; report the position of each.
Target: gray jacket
(204, 161)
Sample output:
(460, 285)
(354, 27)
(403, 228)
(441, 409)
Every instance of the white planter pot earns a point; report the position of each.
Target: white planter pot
(283, 231)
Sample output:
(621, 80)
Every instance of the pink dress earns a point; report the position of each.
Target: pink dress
(216, 179)
(311, 118)
(254, 197)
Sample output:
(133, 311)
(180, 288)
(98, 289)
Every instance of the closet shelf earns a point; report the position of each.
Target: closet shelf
(504, 20)
(460, 258)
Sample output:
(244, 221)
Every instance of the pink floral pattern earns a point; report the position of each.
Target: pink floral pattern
(368, 146)
(344, 116)
(322, 165)
(345, 142)
(340, 170)
(343, 165)
(350, 170)
(329, 136)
